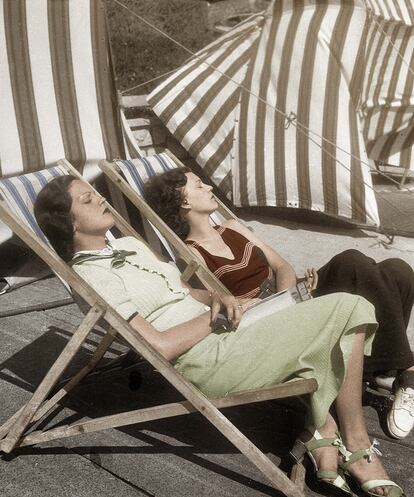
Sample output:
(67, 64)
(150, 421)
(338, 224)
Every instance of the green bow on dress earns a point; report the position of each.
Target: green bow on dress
(118, 258)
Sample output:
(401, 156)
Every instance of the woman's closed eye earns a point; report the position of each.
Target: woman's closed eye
(86, 198)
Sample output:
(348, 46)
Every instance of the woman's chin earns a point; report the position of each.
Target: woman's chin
(111, 223)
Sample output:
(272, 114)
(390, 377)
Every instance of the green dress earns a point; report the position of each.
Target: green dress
(308, 340)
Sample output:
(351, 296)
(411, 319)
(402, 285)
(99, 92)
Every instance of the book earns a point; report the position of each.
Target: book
(269, 305)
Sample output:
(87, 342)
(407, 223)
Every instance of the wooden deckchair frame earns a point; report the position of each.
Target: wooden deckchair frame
(209, 280)
(12, 432)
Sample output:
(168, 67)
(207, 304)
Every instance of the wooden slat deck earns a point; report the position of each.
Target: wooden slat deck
(126, 461)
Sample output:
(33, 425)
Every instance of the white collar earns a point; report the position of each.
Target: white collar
(107, 251)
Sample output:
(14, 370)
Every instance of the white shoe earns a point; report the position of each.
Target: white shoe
(400, 419)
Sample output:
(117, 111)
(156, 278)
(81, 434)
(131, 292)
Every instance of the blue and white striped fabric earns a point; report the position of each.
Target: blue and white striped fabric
(138, 171)
(20, 194)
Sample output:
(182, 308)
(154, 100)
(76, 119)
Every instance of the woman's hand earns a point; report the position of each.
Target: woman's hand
(232, 306)
(311, 276)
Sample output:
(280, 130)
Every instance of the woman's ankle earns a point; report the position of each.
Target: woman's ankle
(354, 442)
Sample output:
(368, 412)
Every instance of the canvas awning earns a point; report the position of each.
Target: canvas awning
(289, 108)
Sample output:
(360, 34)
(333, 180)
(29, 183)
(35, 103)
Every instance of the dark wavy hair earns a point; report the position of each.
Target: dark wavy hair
(163, 194)
(52, 212)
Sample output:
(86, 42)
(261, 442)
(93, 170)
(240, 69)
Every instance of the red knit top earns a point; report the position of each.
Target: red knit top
(242, 275)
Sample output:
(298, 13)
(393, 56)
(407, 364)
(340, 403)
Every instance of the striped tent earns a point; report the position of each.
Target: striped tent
(289, 108)
(387, 101)
(57, 93)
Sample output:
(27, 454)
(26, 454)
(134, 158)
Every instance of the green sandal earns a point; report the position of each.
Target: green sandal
(336, 481)
(350, 457)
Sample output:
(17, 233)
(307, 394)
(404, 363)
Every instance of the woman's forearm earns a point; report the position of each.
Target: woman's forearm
(176, 340)
(181, 338)
(285, 277)
(203, 296)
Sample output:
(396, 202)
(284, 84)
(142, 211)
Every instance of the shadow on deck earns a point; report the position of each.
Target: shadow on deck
(178, 456)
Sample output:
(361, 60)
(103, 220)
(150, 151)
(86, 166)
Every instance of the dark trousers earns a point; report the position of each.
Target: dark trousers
(389, 286)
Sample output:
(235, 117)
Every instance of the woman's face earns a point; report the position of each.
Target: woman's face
(198, 196)
(89, 211)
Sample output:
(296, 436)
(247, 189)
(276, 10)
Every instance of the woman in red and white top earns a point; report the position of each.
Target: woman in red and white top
(245, 264)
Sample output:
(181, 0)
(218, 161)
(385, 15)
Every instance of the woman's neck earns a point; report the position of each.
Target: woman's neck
(200, 227)
(89, 242)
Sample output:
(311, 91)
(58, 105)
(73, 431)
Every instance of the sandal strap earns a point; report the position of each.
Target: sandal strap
(317, 441)
(337, 479)
(351, 457)
(323, 442)
(397, 491)
(326, 473)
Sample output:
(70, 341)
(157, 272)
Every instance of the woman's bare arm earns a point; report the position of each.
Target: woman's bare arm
(176, 340)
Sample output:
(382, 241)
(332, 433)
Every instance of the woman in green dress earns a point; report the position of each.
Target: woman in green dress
(325, 338)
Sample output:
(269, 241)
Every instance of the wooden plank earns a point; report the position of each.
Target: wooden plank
(46, 406)
(298, 387)
(395, 170)
(190, 270)
(26, 415)
(133, 101)
(144, 122)
(37, 307)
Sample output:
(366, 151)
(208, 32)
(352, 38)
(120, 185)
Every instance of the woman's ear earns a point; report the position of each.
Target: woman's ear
(185, 204)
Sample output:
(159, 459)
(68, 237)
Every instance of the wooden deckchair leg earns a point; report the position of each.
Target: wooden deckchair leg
(72, 381)
(404, 177)
(103, 346)
(275, 475)
(71, 348)
(297, 475)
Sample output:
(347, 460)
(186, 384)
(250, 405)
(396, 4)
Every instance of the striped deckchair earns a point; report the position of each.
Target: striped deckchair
(57, 91)
(16, 207)
(290, 108)
(130, 177)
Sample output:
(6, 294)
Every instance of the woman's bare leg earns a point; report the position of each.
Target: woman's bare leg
(326, 457)
(351, 417)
